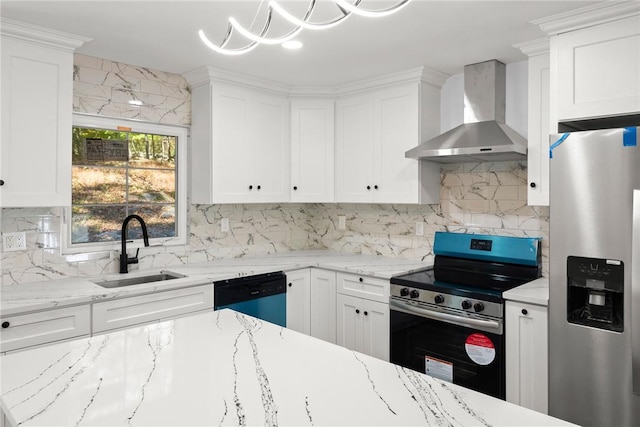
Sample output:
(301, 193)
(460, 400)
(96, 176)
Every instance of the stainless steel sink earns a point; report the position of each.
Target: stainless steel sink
(138, 280)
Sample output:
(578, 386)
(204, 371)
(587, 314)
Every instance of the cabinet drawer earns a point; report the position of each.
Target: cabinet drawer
(363, 287)
(44, 327)
(147, 308)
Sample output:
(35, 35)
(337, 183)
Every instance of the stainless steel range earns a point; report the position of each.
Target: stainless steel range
(448, 321)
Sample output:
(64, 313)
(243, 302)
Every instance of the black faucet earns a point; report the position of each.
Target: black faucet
(124, 258)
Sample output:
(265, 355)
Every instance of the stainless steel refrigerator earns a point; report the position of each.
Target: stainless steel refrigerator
(594, 284)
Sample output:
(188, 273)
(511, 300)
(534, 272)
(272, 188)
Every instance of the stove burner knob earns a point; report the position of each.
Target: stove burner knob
(404, 292)
(438, 299)
(466, 304)
(478, 307)
(414, 294)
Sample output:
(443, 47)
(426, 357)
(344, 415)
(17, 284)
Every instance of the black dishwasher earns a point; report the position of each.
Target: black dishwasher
(263, 296)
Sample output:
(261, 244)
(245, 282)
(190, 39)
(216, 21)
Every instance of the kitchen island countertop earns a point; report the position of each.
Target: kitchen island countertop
(225, 368)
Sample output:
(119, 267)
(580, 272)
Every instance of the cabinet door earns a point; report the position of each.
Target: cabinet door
(323, 304)
(354, 149)
(375, 329)
(131, 311)
(299, 300)
(598, 69)
(312, 150)
(396, 112)
(526, 355)
(32, 329)
(37, 90)
(269, 149)
(538, 147)
(349, 322)
(230, 164)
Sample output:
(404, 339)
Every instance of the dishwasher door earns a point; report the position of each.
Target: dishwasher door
(263, 296)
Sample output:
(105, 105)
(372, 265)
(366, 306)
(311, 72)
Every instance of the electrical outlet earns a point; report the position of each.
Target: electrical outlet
(224, 225)
(342, 222)
(14, 241)
(419, 228)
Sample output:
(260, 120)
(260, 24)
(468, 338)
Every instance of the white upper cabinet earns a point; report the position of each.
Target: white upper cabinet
(373, 131)
(598, 70)
(312, 150)
(538, 121)
(37, 95)
(355, 150)
(240, 149)
(595, 61)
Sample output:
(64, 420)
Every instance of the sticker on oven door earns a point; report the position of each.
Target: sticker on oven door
(480, 349)
(438, 368)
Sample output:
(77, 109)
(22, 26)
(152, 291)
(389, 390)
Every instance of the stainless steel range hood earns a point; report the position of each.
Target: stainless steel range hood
(483, 136)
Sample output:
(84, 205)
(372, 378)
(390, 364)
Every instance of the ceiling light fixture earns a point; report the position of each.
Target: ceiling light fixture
(292, 44)
(346, 8)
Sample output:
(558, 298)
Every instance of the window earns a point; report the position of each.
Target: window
(119, 168)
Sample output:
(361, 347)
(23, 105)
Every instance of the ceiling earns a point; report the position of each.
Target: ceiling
(162, 35)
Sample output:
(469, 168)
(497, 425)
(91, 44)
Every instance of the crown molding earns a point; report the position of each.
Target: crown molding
(414, 75)
(40, 35)
(207, 75)
(534, 47)
(589, 16)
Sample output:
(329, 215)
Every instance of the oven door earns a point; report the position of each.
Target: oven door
(467, 352)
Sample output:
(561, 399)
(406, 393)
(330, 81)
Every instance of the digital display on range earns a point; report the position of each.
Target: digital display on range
(481, 245)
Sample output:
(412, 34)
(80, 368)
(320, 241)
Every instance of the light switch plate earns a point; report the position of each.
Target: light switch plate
(224, 225)
(14, 241)
(342, 222)
(419, 228)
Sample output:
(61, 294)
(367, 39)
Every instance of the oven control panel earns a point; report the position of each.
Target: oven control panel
(445, 300)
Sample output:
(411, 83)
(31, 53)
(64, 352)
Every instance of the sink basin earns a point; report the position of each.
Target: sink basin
(138, 280)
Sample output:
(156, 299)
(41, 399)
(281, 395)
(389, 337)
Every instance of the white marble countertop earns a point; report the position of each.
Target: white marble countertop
(534, 292)
(27, 297)
(225, 368)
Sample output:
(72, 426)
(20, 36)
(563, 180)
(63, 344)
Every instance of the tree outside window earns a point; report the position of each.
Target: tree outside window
(117, 173)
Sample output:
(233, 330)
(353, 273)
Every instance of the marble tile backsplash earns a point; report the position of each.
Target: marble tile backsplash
(488, 198)
(106, 88)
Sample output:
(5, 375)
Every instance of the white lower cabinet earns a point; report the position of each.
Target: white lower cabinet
(32, 329)
(323, 304)
(526, 355)
(299, 300)
(125, 312)
(363, 314)
(363, 326)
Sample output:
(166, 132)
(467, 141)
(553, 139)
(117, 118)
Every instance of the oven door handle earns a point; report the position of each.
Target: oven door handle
(449, 318)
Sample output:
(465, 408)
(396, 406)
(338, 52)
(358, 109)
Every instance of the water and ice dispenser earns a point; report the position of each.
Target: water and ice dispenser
(595, 293)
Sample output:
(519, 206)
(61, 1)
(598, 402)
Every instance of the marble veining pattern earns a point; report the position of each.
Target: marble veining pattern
(226, 368)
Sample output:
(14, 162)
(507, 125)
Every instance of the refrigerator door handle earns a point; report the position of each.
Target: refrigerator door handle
(635, 293)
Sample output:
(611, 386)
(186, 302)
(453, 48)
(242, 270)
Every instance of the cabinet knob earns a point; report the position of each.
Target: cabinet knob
(1, 181)
(368, 187)
(357, 311)
(258, 187)
(365, 313)
(361, 279)
(524, 311)
(251, 187)
(532, 185)
(375, 187)
(295, 187)
(5, 325)
(290, 284)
